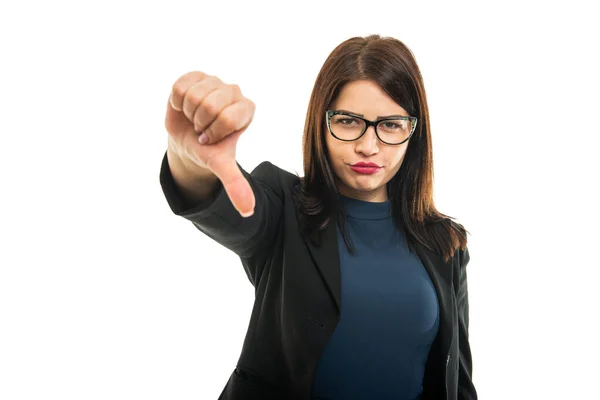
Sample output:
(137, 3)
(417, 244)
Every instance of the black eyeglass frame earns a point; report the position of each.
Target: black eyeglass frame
(368, 123)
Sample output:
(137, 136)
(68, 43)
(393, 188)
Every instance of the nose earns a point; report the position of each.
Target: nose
(368, 143)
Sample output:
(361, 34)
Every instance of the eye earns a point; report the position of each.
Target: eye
(344, 120)
(394, 125)
(390, 125)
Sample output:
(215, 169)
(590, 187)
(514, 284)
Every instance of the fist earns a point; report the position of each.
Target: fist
(205, 118)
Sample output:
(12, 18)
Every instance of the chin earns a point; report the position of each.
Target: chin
(363, 188)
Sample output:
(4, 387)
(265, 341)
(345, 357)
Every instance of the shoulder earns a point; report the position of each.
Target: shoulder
(456, 226)
(461, 253)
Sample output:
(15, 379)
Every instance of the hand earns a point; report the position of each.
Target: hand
(202, 106)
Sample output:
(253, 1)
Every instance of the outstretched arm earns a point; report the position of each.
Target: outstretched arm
(217, 217)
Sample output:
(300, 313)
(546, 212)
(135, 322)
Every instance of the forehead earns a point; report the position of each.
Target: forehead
(368, 98)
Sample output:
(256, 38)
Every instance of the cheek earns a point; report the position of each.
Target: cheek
(333, 155)
(336, 152)
(401, 158)
(402, 153)
(398, 158)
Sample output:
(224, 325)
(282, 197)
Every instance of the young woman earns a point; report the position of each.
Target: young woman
(361, 284)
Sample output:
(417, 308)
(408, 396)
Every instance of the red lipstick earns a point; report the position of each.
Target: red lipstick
(365, 168)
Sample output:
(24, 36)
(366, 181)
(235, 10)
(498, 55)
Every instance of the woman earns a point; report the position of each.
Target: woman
(361, 287)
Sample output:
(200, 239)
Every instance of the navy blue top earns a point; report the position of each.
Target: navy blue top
(389, 314)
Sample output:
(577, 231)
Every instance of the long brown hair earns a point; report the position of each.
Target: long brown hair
(390, 63)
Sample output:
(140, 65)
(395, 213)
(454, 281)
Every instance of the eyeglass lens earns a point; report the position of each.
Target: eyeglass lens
(346, 127)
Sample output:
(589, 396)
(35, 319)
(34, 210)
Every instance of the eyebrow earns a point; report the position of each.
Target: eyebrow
(378, 117)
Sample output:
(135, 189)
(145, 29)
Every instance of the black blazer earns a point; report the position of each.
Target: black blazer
(298, 293)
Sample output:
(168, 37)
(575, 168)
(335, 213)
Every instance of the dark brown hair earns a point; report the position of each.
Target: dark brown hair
(391, 64)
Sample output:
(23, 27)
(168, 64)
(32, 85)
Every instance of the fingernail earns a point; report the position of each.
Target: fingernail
(203, 139)
(247, 214)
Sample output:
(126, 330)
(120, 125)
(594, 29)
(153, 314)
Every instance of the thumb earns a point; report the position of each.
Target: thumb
(236, 185)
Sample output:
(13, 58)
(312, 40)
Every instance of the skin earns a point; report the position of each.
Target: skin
(367, 98)
(202, 107)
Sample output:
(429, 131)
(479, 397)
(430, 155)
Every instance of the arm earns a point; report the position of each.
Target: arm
(466, 389)
(216, 217)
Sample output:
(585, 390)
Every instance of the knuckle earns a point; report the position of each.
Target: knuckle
(210, 107)
(220, 128)
(236, 89)
(183, 83)
(195, 75)
(213, 79)
(197, 120)
(193, 97)
(229, 123)
(178, 89)
(250, 105)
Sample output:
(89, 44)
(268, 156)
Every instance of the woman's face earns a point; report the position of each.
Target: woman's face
(366, 98)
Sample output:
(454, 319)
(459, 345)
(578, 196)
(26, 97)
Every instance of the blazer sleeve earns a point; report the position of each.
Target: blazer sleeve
(466, 389)
(218, 219)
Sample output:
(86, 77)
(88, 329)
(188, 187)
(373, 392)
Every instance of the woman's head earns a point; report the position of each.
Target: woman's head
(376, 77)
(350, 139)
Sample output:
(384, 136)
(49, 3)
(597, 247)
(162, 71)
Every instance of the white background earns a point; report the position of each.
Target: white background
(105, 294)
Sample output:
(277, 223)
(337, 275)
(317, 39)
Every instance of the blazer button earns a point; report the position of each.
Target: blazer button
(301, 369)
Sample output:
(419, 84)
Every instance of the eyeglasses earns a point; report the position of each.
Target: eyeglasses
(390, 130)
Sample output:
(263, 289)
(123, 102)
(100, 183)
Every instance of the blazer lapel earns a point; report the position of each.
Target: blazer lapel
(326, 257)
(436, 368)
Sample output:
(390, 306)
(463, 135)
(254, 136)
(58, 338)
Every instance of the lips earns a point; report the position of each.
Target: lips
(365, 168)
(364, 164)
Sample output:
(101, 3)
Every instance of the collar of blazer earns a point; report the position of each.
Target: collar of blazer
(326, 257)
